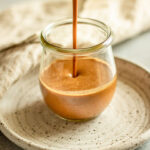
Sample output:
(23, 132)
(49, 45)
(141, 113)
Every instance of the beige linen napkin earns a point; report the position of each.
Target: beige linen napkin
(23, 20)
(126, 17)
(20, 52)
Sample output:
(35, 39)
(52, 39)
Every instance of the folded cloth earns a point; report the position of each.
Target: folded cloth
(19, 50)
(21, 21)
(16, 62)
(126, 17)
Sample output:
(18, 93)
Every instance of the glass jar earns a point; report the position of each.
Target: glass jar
(89, 93)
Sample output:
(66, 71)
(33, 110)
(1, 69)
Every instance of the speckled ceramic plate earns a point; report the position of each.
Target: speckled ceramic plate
(125, 124)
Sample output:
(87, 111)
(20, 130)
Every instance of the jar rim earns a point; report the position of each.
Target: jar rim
(97, 47)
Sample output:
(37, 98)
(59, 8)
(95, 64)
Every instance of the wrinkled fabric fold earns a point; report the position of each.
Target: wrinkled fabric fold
(127, 18)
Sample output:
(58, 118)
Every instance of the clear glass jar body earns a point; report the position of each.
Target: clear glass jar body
(89, 93)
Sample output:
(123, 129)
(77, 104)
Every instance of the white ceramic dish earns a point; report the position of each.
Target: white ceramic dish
(125, 124)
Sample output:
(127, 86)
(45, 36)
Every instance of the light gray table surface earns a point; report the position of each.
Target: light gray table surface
(136, 50)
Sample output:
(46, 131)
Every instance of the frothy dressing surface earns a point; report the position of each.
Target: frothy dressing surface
(91, 73)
